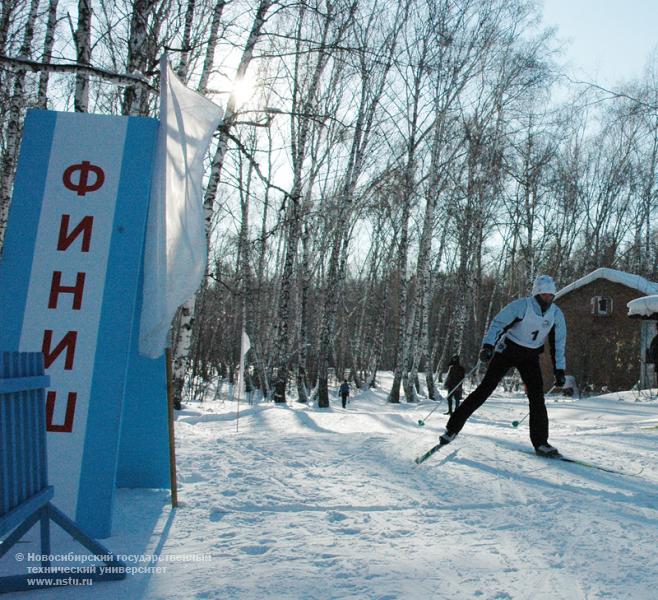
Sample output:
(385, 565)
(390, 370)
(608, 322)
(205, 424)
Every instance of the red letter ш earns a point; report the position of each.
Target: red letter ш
(67, 427)
(68, 343)
(56, 288)
(84, 227)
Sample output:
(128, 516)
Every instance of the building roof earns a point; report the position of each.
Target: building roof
(628, 279)
(646, 307)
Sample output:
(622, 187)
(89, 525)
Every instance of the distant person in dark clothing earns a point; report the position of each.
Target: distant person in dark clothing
(344, 392)
(652, 354)
(455, 376)
(248, 387)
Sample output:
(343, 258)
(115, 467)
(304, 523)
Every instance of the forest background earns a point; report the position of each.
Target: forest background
(387, 175)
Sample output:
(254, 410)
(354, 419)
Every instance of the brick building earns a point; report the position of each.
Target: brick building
(605, 349)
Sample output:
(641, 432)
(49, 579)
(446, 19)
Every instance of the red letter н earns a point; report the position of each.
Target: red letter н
(57, 288)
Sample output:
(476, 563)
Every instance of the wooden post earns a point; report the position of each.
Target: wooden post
(172, 443)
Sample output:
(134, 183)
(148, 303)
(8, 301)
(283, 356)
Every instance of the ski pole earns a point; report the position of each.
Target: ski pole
(517, 423)
(421, 422)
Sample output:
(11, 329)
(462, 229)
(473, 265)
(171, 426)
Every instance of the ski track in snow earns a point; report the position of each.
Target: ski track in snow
(328, 504)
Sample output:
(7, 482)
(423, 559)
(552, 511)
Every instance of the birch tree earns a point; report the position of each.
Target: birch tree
(183, 333)
(373, 65)
(49, 42)
(15, 110)
(306, 79)
(139, 55)
(83, 55)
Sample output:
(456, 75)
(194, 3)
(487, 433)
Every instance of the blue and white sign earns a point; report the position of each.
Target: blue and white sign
(70, 284)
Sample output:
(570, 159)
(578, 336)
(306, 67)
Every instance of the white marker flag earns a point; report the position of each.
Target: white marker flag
(175, 252)
(245, 344)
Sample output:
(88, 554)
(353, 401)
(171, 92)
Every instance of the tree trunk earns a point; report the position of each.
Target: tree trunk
(186, 43)
(211, 45)
(49, 41)
(400, 345)
(137, 60)
(14, 121)
(83, 55)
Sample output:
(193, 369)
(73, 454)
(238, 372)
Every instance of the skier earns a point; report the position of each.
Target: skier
(455, 376)
(344, 392)
(516, 339)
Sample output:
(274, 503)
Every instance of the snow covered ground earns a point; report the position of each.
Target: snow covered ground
(303, 503)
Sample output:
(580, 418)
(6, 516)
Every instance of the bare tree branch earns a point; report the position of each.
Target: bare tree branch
(39, 67)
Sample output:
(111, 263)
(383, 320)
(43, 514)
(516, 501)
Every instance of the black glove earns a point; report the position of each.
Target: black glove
(486, 353)
(560, 379)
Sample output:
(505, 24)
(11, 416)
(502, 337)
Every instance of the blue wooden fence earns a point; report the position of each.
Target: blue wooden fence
(24, 491)
(23, 464)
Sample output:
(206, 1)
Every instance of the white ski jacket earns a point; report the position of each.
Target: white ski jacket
(508, 323)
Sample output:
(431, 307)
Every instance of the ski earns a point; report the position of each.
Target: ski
(423, 457)
(589, 465)
(432, 450)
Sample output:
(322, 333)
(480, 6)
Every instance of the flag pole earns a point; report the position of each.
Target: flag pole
(238, 382)
(172, 448)
(237, 416)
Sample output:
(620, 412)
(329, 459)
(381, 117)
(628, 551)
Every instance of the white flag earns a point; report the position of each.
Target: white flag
(175, 252)
(245, 344)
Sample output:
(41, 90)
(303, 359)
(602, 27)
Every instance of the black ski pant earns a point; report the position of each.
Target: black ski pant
(457, 395)
(528, 366)
(344, 399)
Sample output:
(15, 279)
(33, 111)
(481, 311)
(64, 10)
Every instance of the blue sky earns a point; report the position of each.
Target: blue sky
(606, 41)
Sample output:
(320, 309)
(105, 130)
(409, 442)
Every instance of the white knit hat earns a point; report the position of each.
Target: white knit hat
(543, 284)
